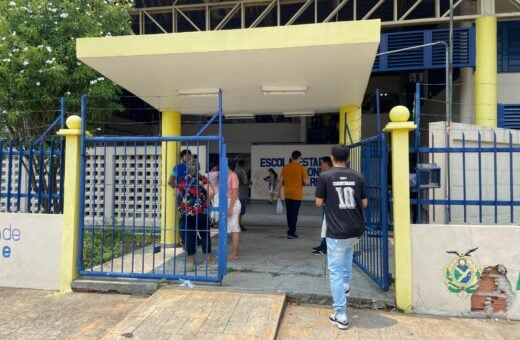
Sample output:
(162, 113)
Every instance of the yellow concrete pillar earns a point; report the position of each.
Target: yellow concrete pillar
(69, 235)
(349, 115)
(171, 126)
(486, 72)
(399, 127)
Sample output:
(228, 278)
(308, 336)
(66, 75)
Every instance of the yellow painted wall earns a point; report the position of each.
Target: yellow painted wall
(324, 34)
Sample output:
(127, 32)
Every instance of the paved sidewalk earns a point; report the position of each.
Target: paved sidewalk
(183, 313)
(311, 322)
(39, 314)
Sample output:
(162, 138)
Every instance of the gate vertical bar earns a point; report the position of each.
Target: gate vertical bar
(19, 181)
(383, 147)
(62, 152)
(9, 174)
(511, 177)
(31, 174)
(83, 111)
(223, 202)
(50, 180)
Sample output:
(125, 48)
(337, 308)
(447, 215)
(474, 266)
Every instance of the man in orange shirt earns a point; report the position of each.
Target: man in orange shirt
(293, 177)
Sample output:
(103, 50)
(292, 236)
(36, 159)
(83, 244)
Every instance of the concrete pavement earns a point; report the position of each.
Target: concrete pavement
(38, 314)
(252, 302)
(310, 322)
(211, 313)
(269, 262)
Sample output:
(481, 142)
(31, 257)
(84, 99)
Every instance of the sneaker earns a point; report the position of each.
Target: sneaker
(292, 237)
(340, 324)
(317, 248)
(210, 261)
(347, 289)
(190, 267)
(319, 252)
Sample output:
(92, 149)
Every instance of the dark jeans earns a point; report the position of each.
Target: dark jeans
(292, 207)
(194, 224)
(243, 205)
(182, 230)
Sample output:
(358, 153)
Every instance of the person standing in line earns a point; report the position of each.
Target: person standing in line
(233, 212)
(179, 170)
(195, 194)
(213, 179)
(325, 164)
(272, 179)
(293, 177)
(243, 190)
(343, 191)
(178, 173)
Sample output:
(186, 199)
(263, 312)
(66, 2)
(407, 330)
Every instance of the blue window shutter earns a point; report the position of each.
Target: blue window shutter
(509, 116)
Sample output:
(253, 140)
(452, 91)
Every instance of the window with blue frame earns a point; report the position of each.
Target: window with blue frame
(508, 45)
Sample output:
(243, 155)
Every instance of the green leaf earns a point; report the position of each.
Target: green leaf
(38, 62)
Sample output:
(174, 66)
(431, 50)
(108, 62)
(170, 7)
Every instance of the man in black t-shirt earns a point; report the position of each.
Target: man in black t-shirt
(343, 191)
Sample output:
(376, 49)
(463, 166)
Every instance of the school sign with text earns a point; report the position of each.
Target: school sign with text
(275, 156)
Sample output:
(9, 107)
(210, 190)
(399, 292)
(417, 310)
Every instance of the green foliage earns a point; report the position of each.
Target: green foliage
(105, 245)
(38, 60)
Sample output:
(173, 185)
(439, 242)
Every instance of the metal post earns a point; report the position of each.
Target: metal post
(448, 101)
(449, 85)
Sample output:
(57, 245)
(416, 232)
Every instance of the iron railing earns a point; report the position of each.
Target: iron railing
(477, 183)
(31, 172)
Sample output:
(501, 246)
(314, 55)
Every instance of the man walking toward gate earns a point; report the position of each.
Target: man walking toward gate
(342, 190)
(293, 177)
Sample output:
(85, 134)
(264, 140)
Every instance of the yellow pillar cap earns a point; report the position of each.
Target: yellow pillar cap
(399, 119)
(399, 113)
(74, 122)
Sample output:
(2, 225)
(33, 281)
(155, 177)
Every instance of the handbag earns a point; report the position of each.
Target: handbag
(324, 227)
(279, 207)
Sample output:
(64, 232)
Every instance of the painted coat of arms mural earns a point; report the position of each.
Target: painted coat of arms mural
(490, 290)
(462, 274)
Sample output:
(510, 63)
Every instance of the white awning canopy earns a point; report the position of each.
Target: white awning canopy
(293, 70)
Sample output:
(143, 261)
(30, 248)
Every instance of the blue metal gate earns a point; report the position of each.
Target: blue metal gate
(123, 231)
(370, 157)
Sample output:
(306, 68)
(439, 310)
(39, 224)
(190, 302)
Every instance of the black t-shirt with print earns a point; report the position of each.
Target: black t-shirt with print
(342, 189)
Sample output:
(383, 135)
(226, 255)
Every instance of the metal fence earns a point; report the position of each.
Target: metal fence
(371, 253)
(123, 230)
(465, 174)
(477, 182)
(31, 172)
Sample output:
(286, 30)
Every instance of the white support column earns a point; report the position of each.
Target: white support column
(486, 7)
(466, 89)
(303, 129)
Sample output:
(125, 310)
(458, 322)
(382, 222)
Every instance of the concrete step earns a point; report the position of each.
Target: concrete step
(116, 285)
(179, 312)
